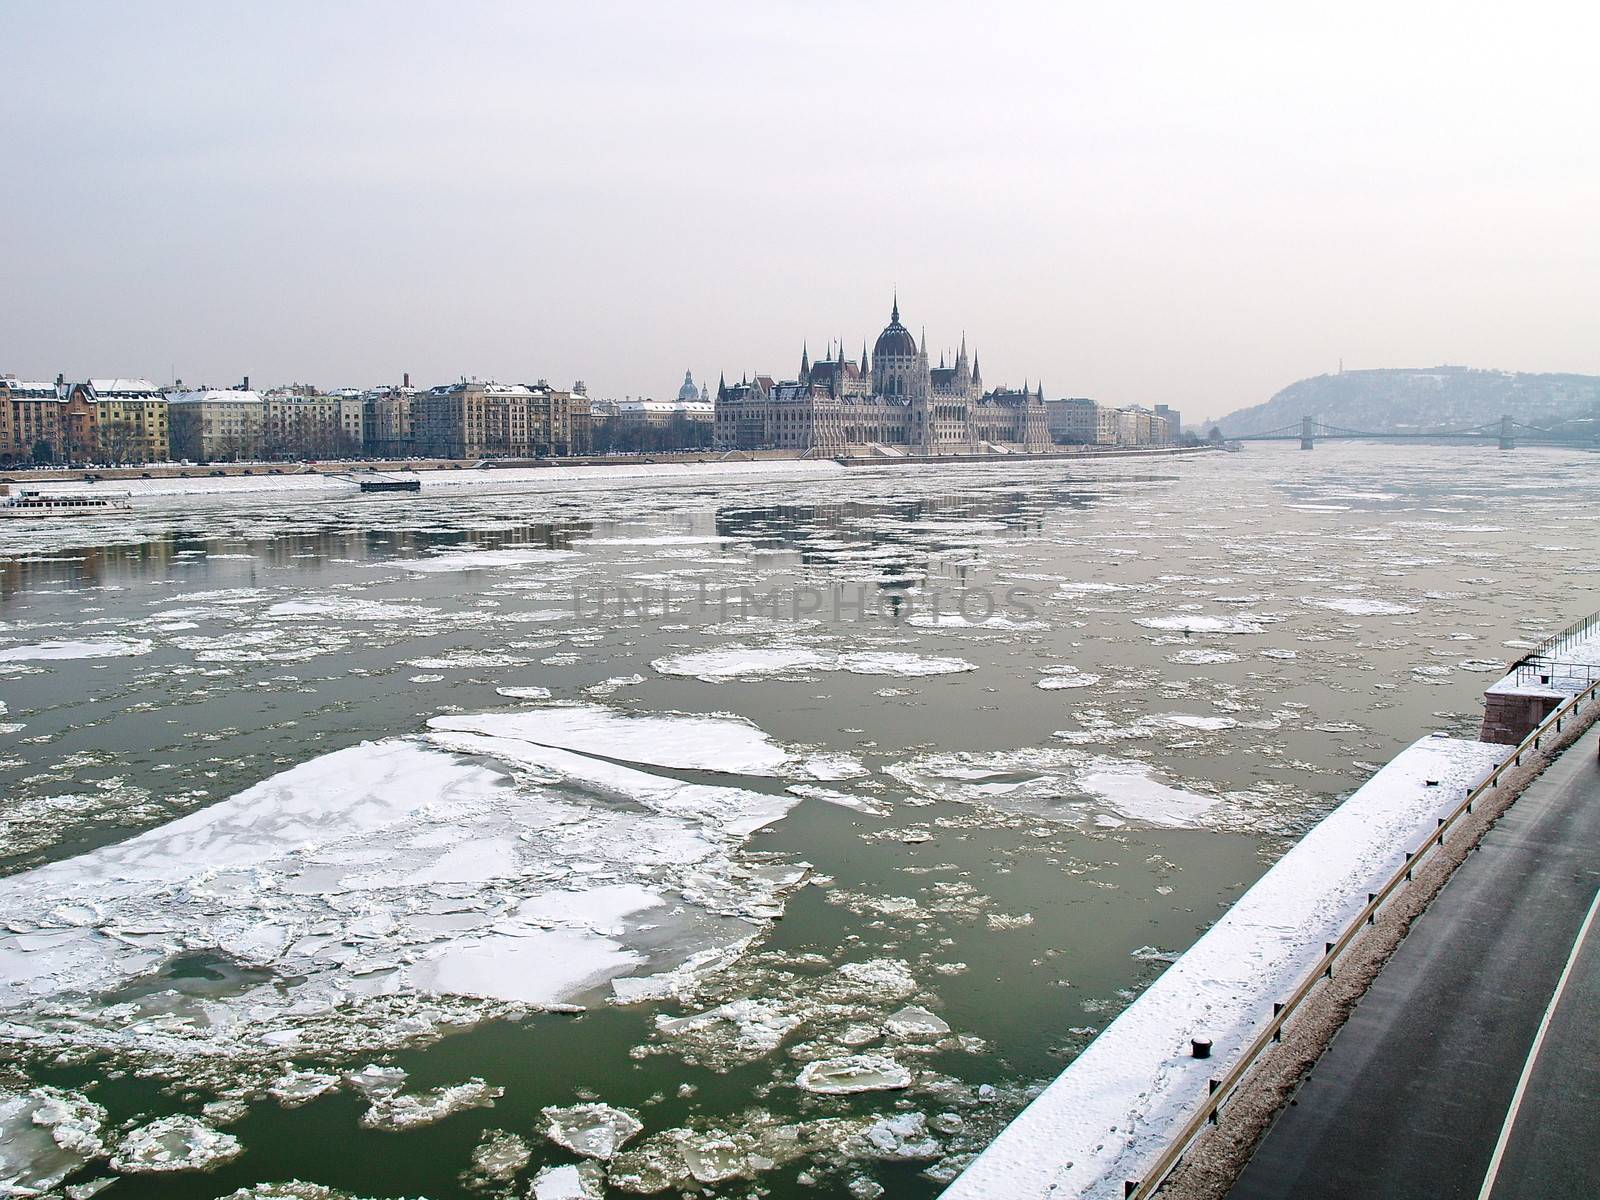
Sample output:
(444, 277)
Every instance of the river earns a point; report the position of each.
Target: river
(811, 823)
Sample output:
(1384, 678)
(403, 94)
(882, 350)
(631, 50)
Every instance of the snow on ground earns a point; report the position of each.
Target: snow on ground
(1119, 1102)
(552, 478)
(467, 864)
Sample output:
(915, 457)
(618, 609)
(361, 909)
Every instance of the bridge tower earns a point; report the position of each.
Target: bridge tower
(1507, 440)
(1306, 429)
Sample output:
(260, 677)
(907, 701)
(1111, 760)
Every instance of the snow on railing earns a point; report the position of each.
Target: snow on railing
(1221, 1091)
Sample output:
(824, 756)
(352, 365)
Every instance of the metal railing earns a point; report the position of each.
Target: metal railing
(1545, 662)
(1557, 642)
(1223, 1089)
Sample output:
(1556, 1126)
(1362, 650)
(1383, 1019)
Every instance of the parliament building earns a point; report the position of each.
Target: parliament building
(892, 403)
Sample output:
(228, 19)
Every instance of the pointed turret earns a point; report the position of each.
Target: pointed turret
(894, 312)
(805, 363)
(722, 385)
(864, 357)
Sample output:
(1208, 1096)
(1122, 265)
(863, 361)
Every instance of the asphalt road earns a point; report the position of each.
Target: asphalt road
(1436, 1081)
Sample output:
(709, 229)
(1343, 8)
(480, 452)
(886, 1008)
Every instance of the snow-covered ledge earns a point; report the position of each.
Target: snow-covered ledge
(1114, 1109)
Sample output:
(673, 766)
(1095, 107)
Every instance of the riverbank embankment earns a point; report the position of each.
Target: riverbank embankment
(434, 471)
(1309, 936)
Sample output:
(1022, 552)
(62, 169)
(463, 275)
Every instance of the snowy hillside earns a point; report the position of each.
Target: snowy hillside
(1430, 398)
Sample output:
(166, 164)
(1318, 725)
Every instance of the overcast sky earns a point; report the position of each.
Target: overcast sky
(1192, 204)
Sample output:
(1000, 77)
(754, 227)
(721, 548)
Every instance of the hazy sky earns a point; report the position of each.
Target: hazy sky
(1192, 204)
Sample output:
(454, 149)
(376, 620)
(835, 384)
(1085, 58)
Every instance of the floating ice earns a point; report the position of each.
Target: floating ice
(1184, 623)
(398, 883)
(592, 1130)
(405, 1110)
(523, 693)
(1203, 658)
(497, 1159)
(1133, 794)
(776, 662)
(294, 1088)
(916, 1024)
(533, 967)
(1356, 607)
(856, 1073)
(348, 608)
(1067, 680)
(176, 1143)
(57, 651)
(903, 1137)
(45, 1135)
(484, 560)
(679, 740)
(585, 1181)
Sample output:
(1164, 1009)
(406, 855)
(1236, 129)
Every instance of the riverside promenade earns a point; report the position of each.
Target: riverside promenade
(1470, 1068)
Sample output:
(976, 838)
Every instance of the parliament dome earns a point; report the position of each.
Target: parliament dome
(896, 339)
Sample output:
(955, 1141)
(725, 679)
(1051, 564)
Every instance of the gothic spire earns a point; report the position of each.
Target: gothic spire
(894, 313)
(805, 362)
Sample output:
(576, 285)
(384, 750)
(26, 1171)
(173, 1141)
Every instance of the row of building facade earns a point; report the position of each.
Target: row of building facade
(891, 401)
(1084, 422)
(123, 421)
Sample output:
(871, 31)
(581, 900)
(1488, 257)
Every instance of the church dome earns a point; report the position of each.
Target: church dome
(895, 339)
(688, 391)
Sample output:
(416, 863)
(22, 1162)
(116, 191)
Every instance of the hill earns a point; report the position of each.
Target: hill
(1403, 399)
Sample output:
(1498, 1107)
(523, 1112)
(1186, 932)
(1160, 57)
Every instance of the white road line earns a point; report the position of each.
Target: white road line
(1533, 1053)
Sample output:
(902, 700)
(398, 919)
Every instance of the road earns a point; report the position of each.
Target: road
(1470, 1069)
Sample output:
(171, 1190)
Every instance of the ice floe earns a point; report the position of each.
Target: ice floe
(1357, 606)
(592, 1130)
(45, 1135)
(1196, 623)
(778, 662)
(484, 560)
(855, 1073)
(62, 651)
(175, 1143)
(468, 864)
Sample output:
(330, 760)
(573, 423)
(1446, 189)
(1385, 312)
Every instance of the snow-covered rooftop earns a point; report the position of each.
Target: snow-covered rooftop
(140, 388)
(214, 396)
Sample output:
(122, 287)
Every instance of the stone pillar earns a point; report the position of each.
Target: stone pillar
(1306, 439)
(1507, 439)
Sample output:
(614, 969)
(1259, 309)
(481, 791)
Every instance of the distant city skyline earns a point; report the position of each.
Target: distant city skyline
(1162, 205)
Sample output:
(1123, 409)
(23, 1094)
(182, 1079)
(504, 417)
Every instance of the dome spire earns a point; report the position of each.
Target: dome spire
(894, 313)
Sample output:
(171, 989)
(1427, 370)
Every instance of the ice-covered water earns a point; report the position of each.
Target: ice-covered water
(806, 820)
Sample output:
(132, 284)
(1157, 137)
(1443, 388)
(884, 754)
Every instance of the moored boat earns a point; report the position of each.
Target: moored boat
(29, 502)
